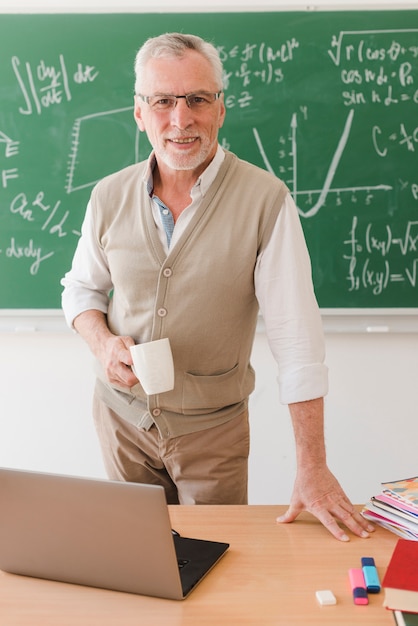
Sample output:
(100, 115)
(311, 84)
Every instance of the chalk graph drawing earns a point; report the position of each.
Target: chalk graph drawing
(353, 40)
(102, 143)
(326, 188)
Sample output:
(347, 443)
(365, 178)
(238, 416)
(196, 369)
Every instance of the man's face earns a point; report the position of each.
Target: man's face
(183, 138)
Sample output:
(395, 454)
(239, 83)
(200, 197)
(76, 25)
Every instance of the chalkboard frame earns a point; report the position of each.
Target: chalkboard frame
(334, 321)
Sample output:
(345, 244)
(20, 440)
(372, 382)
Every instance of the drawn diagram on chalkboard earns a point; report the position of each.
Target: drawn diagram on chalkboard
(106, 132)
(329, 177)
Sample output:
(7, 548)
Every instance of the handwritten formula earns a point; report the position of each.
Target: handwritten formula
(369, 256)
(45, 85)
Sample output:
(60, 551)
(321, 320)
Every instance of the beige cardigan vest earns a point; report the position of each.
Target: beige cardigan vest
(201, 295)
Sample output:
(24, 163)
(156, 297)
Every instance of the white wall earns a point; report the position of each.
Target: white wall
(46, 378)
(46, 384)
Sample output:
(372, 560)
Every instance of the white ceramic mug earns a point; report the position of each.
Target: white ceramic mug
(153, 365)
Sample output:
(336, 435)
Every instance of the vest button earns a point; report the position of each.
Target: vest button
(156, 412)
(167, 272)
(162, 312)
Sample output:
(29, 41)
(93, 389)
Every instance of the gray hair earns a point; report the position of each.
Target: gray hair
(175, 45)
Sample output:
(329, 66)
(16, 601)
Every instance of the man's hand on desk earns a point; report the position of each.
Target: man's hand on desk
(319, 493)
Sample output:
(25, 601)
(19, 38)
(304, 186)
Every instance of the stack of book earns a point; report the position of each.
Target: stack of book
(400, 583)
(396, 508)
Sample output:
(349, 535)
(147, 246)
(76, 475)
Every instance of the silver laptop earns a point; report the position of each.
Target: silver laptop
(98, 532)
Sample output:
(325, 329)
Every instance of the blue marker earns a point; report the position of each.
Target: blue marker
(371, 576)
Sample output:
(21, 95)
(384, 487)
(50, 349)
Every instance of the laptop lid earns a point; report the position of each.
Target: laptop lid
(97, 532)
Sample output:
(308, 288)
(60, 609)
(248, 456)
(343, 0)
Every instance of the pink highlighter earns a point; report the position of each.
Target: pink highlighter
(358, 586)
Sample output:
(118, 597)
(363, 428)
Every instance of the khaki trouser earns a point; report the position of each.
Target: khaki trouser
(206, 467)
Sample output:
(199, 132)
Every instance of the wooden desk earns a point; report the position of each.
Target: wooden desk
(268, 577)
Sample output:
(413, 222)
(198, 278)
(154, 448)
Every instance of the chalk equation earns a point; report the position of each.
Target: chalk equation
(28, 251)
(47, 218)
(252, 65)
(369, 256)
(43, 85)
(377, 66)
(44, 212)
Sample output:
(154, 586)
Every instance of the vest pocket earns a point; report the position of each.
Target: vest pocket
(206, 394)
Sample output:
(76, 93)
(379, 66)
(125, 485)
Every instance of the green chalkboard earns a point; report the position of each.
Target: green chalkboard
(328, 101)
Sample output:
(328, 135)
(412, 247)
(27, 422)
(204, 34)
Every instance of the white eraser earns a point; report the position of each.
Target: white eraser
(325, 597)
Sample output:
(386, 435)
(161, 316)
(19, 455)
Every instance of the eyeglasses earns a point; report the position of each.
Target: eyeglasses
(196, 101)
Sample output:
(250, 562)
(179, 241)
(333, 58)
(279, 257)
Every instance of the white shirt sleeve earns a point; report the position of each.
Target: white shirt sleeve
(284, 289)
(88, 283)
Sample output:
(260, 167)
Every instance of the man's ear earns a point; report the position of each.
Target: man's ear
(138, 113)
(222, 113)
